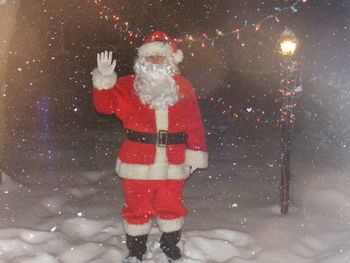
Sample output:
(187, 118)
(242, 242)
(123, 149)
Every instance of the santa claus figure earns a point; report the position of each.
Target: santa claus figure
(165, 140)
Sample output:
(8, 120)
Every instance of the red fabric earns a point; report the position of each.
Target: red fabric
(184, 116)
(147, 199)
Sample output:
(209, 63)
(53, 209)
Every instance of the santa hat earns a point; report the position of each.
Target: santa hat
(160, 44)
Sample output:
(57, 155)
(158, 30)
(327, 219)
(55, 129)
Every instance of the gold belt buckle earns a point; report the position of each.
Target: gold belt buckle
(162, 138)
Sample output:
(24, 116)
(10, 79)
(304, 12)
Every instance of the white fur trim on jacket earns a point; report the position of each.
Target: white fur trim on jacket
(155, 48)
(137, 230)
(102, 82)
(197, 159)
(161, 171)
(167, 226)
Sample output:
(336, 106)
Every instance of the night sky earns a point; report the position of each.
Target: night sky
(55, 44)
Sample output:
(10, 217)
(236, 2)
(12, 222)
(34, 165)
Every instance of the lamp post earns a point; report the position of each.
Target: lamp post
(290, 89)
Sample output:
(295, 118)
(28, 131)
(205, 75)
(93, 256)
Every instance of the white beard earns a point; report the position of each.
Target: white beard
(154, 83)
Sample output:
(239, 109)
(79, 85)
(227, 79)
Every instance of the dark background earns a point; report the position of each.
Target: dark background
(55, 45)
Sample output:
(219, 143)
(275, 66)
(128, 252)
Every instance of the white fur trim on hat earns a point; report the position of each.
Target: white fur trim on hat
(137, 229)
(170, 225)
(102, 82)
(155, 48)
(178, 56)
(196, 158)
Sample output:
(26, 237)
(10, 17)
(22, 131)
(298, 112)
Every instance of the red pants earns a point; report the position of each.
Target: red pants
(147, 199)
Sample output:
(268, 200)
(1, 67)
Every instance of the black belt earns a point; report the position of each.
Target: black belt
(161, 139)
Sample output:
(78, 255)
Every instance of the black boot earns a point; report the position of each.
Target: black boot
(168, 245)
(136, 245)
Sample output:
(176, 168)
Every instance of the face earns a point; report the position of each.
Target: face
(156, 59)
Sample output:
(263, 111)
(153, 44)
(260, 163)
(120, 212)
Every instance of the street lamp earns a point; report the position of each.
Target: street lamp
(290, 89)
(288, 43)
(288, 47)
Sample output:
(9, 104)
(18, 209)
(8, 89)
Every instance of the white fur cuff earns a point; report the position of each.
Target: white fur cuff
(102, 82)
(197, 159)
(167, 226)
(137, 230)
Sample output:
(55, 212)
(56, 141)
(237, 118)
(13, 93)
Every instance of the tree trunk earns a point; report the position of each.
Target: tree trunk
(8, 19)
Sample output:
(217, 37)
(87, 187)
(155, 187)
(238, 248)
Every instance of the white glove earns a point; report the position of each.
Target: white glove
(104, 63)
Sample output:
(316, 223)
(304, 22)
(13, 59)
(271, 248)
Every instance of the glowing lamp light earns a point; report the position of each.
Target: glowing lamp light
(288, 43)
(288, 47)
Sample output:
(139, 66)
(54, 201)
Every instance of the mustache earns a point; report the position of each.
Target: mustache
(142, 66)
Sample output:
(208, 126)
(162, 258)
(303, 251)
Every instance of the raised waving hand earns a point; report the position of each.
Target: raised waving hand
(105, 64)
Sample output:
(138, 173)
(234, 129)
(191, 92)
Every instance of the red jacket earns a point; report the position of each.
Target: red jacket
(184, 116)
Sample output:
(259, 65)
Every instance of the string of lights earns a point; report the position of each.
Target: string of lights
(204, 39)
(291, 77)
(250, 113)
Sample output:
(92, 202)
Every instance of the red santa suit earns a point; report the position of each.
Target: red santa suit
(153, 175)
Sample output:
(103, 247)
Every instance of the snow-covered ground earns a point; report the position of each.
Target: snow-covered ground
(61, 201)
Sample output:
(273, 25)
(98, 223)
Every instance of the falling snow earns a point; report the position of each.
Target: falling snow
(60, 197)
